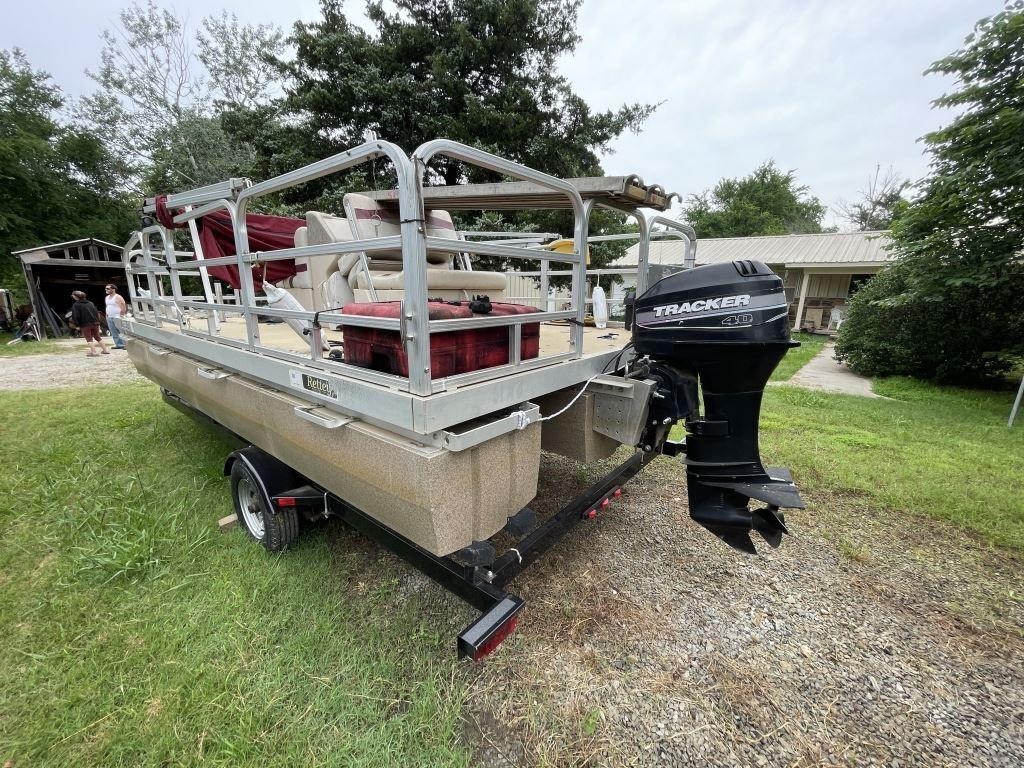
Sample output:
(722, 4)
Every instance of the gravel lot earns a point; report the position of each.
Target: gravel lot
(867, 639)
(64, 370)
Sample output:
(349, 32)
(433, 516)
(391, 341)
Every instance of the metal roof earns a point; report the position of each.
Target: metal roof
(79, 263)
(825, 249)
(69, 244)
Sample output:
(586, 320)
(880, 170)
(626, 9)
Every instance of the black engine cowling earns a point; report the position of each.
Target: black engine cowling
(725, 326)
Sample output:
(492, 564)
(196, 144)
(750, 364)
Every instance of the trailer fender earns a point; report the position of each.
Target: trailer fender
(272, 475)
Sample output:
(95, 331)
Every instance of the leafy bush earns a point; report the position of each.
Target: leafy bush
(969, 336)
(953, 308)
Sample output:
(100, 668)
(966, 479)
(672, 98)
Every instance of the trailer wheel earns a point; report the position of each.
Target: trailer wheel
(276, 529)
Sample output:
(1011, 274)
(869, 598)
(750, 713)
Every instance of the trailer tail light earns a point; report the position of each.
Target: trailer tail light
(305, 496)
(485, 634)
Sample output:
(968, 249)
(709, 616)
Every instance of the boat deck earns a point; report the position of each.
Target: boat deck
(554, 336)
(421, 404)
(282, 359)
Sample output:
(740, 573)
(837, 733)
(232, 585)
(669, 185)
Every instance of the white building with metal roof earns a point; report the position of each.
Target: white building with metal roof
(820, 271)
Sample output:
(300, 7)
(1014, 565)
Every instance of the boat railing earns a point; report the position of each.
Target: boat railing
(153, 258)
(413, 323)
(544, 295)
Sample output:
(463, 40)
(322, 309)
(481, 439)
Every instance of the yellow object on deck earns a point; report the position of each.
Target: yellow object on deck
(565, 245)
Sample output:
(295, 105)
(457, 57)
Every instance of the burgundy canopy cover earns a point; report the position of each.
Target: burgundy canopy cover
(266, 233)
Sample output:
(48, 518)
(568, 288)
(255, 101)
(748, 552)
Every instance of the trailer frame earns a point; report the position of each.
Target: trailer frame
(481, 585)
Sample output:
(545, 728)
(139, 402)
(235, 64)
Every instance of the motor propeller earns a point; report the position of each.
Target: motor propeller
(723, 509)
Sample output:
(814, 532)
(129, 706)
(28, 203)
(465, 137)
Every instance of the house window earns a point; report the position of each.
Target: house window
(790, 281)
(857, 282)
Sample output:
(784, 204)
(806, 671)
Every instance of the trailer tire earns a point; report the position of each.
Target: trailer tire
(276, 529)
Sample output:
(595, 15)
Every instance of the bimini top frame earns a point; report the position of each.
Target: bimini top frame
(627, 191)
(420, 405)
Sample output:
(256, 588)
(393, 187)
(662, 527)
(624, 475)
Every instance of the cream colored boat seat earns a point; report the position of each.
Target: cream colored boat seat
(327, 282)
(367, 219)
(333, 289)
(317, 283)
(300, 285)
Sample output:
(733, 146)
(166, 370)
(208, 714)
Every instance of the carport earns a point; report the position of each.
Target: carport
(52, 272)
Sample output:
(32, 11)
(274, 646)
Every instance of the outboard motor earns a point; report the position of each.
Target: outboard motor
(726, 327)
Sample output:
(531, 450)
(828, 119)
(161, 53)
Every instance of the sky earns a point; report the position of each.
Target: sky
(828, 88)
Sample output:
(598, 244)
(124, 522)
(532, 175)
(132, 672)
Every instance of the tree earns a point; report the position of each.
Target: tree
(479, 72)
(27, 101)
(476, 71)
(146, 81)
(767, 202)
(961, 241)
(950, 340)
(192, 151)
(879, 204)
(58, 181)
(239, 59)
(156, 108)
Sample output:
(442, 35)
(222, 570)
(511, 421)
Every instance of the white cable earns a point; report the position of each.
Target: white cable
(523, 421)
(573, 401)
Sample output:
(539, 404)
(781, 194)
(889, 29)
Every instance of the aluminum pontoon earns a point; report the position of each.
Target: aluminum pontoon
(441, 464)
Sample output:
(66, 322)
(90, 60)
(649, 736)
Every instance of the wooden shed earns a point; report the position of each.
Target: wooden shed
(53, 271)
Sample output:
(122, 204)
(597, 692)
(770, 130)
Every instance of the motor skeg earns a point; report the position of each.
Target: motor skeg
(725, 326)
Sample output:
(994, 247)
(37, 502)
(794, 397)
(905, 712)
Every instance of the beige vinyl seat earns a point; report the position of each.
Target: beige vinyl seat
(326, 282)
(321, 282)
(368, 219)
(301, 285)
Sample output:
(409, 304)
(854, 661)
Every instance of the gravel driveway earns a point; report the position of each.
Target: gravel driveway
(866, 639)
(64, 370)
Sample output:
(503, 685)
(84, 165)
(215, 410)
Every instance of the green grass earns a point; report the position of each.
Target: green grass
(932, 451)
(35, 347)
(795, 359)
(137, 634)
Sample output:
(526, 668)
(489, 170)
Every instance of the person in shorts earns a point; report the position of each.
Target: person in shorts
(116, 309)
(85, 315)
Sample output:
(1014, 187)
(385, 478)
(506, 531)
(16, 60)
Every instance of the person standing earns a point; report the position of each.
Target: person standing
(115, 311)
(85, 315)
